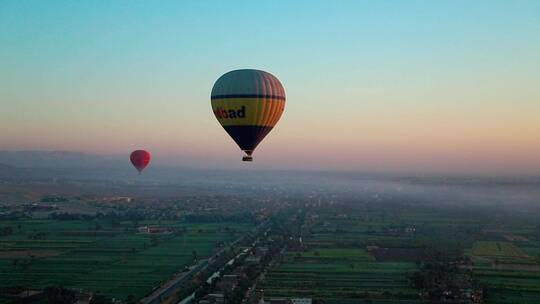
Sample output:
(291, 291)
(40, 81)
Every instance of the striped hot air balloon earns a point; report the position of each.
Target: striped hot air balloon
(248, 104)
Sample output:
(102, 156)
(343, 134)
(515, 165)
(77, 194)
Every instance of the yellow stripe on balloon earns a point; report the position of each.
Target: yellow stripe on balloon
(248, 111)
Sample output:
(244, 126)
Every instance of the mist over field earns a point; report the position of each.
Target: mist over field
(101, 173)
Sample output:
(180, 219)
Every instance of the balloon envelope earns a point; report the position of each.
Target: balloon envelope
(248, 104)
(140, 159)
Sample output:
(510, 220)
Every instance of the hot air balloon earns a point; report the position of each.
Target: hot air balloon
(140, 159)
(248, 104)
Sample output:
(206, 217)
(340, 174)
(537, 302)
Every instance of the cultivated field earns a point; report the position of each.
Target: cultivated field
(511, 273)
(340, 276)
(369, 256)
(112, 259)
(337, 267)
(498, 249)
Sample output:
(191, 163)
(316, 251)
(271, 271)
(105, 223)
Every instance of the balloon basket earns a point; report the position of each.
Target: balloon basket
(247, 158)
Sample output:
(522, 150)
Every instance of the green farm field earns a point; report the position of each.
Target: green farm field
(341, 276)
(498, 249)
(110, 259)
(512, 276)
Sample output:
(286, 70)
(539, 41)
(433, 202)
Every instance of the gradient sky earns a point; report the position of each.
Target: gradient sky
(371, 85)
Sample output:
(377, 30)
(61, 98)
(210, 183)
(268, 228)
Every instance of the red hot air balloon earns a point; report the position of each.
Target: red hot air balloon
(140, 159)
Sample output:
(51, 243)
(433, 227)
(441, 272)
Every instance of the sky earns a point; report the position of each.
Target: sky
(422, 86)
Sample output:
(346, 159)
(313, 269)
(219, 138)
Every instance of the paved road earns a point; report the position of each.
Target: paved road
(171, 286)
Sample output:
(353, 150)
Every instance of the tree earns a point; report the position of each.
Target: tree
(59, 294)
(6, 231)
(98, 227)
(100, 299)
(130, 299)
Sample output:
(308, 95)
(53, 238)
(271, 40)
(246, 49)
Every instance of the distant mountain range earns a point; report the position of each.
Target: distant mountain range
(57, 159)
